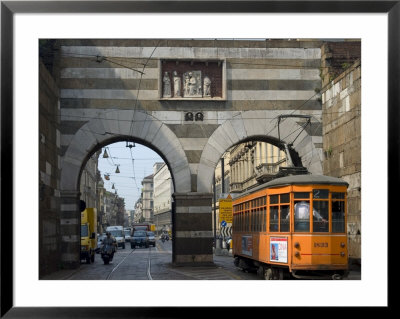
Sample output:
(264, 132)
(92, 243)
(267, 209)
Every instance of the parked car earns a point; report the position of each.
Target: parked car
(152, 238)
(100, 242)
(140, 239)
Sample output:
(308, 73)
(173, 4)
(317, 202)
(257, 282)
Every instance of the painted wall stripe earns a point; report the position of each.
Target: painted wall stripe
(236, 106)
(194, 234)
(194, 209)
(69, 221)
(238, 95)
(68, 207)
(152, 84)
(153, 74)
(193, 52)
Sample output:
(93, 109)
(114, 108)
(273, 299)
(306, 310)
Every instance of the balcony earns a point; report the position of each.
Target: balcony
(268, 171)
(236, 187)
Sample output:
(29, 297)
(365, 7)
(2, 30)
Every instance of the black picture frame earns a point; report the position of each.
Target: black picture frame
(9, 8)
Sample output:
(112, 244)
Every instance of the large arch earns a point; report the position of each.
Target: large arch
(106, 128)
(259, 125)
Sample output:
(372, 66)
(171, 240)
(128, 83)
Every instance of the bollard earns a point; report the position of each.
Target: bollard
(223, 244)
(218, 243)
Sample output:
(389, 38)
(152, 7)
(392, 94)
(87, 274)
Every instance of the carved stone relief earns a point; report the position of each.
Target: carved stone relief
(192, 84)
(191, 79)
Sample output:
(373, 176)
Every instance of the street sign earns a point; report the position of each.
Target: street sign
(226, 231)
(223, 223)
(225, 209)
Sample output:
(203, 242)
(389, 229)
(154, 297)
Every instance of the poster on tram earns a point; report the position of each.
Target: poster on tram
(247, 245)
(278, 249)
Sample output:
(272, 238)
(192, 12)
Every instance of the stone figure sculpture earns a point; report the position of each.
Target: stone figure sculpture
(186, 92)
(167, 85)
(192, 85)
(207, 86)
(177, 84)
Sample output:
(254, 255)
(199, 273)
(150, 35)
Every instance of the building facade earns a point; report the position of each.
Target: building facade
(342, 144)
(162, 197)
(253, 163)
(147, 198)
(246, 165)
(100, 205)
(89, 179)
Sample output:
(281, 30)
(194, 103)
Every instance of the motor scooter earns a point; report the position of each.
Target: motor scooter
(164, 237)
(107, 253)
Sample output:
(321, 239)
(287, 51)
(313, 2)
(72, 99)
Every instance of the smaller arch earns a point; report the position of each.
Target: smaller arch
(110, 127)
(255, 125)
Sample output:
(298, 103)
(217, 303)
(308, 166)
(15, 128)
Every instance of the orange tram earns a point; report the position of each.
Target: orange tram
(275, 234)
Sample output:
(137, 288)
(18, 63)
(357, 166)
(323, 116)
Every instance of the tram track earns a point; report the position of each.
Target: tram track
(116, 267)
(148, 265)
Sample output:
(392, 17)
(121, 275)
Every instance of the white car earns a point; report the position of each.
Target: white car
(127, 233)
(118, 233)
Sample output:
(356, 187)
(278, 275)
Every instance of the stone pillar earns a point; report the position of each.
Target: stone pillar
(70, 228)
(192, 228)
(263, 152)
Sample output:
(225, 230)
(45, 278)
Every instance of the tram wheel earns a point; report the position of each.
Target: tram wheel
(268, 274)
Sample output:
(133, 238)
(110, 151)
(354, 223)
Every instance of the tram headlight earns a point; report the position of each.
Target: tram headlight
(296, 245)
(297, 254)
(342, 254)
(342, 244)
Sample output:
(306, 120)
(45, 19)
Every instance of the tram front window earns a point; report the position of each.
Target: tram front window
(337, 217)
(321, 216)
(302, 216)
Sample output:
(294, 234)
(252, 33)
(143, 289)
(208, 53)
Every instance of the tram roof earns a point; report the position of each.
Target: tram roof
(308, 179)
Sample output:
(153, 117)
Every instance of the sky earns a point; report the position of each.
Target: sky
(128, 182)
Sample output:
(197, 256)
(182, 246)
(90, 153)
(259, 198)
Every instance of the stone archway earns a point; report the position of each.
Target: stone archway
(108, 127)
(255, 124)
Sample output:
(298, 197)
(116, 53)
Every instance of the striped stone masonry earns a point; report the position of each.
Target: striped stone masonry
(110, 90)
(70, 227)
(192, 230)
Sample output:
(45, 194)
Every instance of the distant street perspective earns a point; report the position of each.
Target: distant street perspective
(153, 263)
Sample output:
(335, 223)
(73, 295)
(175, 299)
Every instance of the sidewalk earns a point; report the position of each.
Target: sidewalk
(60, 274)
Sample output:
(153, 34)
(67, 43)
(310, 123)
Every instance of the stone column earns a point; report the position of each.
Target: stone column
(70, 228)
(192, 228)
(263, 152)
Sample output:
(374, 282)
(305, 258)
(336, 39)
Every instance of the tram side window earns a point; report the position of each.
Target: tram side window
(338, 222)
(285, 221)
(264, 216)
(273, 218)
